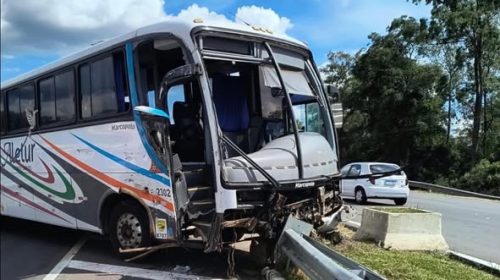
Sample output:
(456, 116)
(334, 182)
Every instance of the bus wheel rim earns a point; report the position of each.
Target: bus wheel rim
(129, 231)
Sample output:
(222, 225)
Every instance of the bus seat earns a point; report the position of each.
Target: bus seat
(189, 139)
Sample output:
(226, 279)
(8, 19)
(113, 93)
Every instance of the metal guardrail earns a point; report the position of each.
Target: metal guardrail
(448, 190)
(315, 259)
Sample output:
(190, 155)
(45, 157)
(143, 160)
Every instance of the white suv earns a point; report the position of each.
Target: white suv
(393, 187)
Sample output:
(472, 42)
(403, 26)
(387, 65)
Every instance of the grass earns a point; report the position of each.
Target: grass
(404, 265)
(398, 210)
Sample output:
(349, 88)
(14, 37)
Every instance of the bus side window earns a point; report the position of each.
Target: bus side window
(19, 100)
(103, 86)
(65, 96)
(175, 94)
(2, 114)
(85, 91)
(122, 97)
(47, 99)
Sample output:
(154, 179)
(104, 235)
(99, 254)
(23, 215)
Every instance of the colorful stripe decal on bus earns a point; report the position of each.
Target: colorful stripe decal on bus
(110, 180)
(126, 164)
(50, 176)
(27, 201)
(68, 194)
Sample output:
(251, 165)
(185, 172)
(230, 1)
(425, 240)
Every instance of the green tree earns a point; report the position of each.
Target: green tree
(338, 70)
(400, 98)
(473, 24)
(451, 60)
(394, 101)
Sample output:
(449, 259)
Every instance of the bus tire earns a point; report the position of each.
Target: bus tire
(128, 227)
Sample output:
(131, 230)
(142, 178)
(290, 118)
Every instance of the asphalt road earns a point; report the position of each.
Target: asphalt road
(29, 250)
(33, 251)
(469, 225)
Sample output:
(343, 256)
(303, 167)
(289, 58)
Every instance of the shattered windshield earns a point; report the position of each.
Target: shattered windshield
(250, 102)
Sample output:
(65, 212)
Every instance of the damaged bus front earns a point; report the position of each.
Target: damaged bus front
(250, 136)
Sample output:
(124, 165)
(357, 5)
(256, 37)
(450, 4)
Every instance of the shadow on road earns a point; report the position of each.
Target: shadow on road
(30, 249)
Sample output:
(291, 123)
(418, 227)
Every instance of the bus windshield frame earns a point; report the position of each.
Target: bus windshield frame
(281, 59)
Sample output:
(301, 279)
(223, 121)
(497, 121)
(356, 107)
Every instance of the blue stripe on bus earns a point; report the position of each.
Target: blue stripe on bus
(129, 54)
(125, 163)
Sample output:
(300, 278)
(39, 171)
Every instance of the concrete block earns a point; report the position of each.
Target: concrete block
(402, 230)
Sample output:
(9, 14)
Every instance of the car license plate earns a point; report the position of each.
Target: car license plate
(390, 183)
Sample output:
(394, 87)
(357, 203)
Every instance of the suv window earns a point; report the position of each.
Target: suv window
(355, 170)
(382, 168)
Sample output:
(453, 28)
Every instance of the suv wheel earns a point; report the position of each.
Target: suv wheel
(400, 201)
(360, 196)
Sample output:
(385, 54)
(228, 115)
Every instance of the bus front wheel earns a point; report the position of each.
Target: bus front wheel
(128, 227)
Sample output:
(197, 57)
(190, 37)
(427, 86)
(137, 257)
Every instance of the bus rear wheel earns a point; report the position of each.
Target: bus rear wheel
(128, 227)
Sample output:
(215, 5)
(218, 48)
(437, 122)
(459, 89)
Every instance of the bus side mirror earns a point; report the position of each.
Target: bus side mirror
(177, 75)
(181, 73)
(335, 104)
(151, 111)
(333, 93)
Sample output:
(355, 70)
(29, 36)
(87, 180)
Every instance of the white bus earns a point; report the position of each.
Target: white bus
(173, 131)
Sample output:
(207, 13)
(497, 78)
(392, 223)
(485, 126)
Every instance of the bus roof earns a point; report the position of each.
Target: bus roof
(180, 28)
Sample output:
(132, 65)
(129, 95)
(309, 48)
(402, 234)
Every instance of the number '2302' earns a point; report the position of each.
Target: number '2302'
(163, 192)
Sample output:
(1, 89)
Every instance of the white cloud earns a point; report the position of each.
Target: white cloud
(262, 17)
(61, 27)
(195, 11)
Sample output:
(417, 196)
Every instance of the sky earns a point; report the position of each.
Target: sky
(36, 32)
